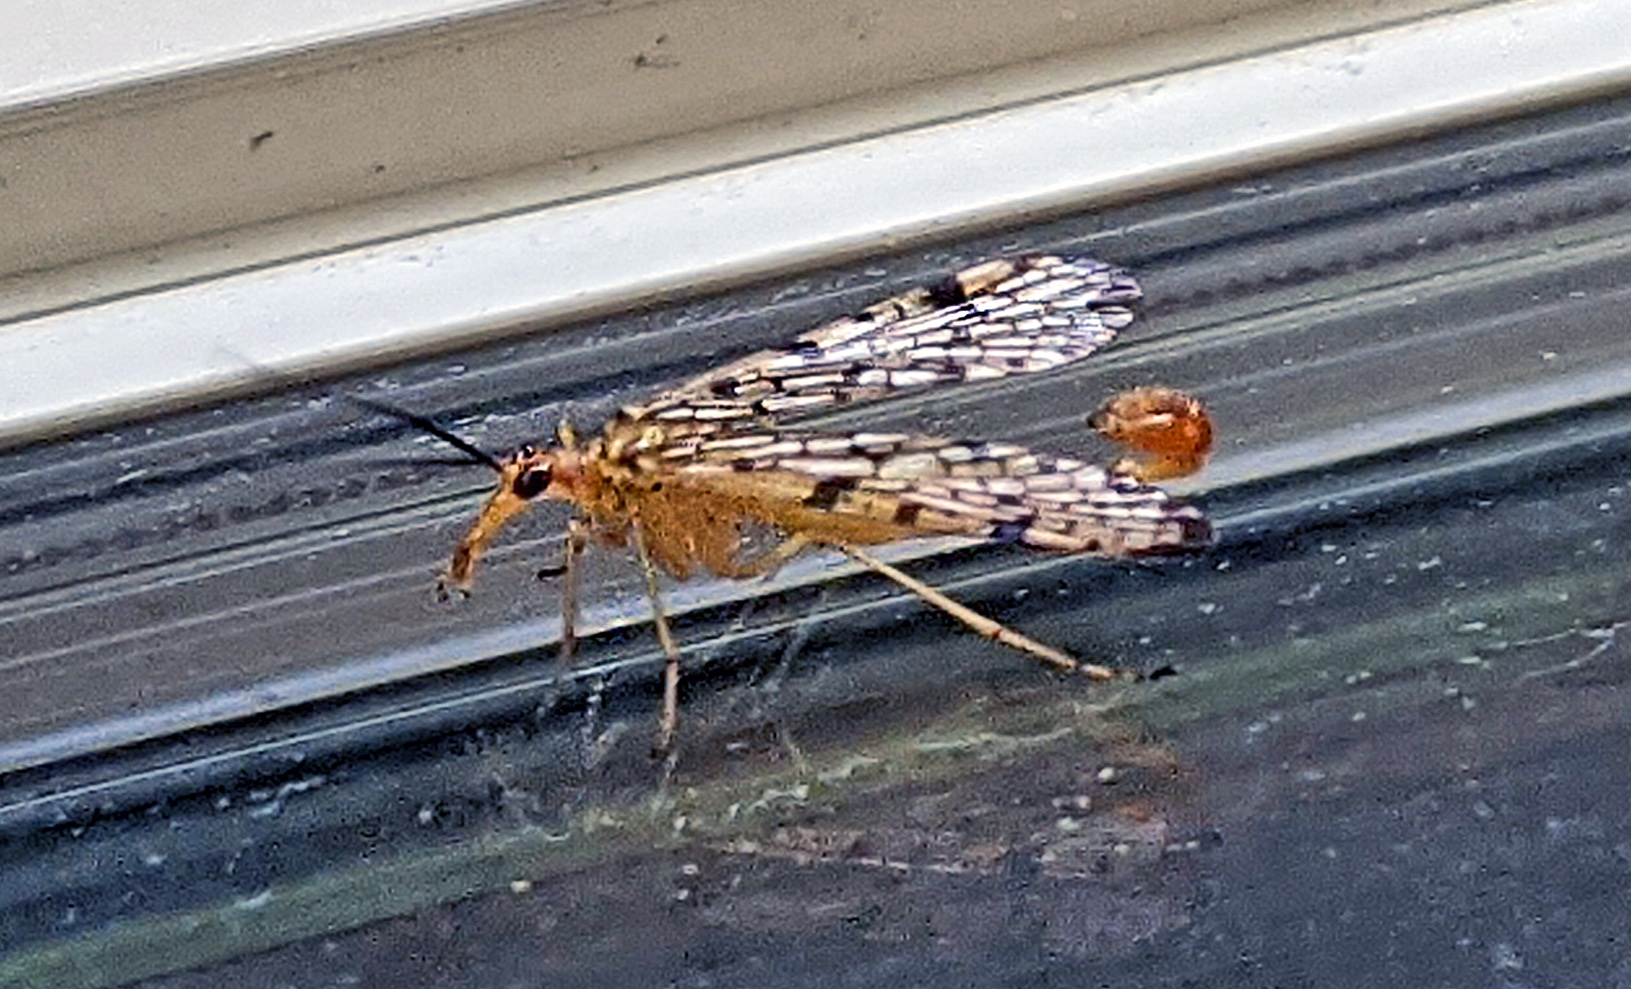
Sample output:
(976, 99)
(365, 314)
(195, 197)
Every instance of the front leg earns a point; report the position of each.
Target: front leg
(572, 546)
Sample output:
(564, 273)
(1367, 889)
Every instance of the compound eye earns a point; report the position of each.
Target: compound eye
(531, 483)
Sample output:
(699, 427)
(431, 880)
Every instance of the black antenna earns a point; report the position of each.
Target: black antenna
(476, 453)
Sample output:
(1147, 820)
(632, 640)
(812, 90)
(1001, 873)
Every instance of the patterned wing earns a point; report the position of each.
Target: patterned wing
(1010, 316)
(878, 487)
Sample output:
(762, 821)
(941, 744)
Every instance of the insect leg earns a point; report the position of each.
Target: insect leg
(978, 622)
(573, 543)
(669, 720)
(571, 549)
(572, 546)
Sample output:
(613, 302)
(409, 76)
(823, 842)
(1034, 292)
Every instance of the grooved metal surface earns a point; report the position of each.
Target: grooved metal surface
(1419, 366)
